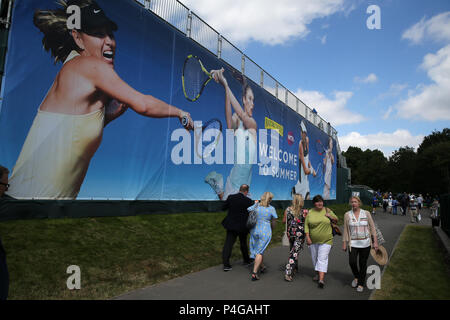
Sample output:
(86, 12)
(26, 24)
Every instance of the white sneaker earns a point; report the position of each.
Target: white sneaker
(215, 180)
(354, 283)
(360, 289)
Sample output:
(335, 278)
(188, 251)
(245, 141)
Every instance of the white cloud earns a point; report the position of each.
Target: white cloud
(394, 91)
(386, 142)
(323, 40)
(333, 110)
(437, 28)
(371, 78)
(267, 21)
(388, 113)
(430, 102)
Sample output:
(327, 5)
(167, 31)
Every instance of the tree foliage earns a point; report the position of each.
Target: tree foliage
(424, 171)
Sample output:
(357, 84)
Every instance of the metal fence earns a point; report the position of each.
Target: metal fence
(186, 21)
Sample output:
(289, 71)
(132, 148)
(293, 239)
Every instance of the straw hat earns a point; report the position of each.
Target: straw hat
(380, 256)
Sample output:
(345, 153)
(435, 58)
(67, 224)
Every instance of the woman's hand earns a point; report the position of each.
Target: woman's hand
(344, 246)
(308, 240)
(375, 246)
(219, 77)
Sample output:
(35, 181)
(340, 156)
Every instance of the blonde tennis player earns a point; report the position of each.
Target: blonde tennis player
(68, 127)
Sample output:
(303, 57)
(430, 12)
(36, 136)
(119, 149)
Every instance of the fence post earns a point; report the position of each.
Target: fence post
(189, 24)
(219, 46)
(262, 79)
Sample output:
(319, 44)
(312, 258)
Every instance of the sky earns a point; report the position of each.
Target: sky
(381, 88)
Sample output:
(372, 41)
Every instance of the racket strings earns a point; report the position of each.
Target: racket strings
(207, 147)
(194, 78)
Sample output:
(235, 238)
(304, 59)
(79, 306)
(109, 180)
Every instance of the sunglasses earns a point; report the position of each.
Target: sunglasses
(5, 184)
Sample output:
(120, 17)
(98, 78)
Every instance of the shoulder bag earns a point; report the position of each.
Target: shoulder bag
(334, 227)
(252, 218)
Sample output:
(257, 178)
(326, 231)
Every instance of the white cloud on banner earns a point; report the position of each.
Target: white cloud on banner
(385, 142)
(437, 28)
(430, 102)
(266, 21)
(333, 110)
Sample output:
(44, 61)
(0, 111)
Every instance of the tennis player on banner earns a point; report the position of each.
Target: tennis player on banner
(245, 140)
(305, 167)
(328, 162)
(68, 127)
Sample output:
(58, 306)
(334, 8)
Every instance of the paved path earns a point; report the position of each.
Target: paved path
(215, 284)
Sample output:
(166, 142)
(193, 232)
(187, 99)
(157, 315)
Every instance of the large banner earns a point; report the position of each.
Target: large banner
(109, 102)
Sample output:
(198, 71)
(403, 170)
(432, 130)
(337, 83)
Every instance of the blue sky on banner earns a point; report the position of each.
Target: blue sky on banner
(380, 88)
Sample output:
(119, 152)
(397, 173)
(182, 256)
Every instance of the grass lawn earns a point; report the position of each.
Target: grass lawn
(417, 269)
(115, 254)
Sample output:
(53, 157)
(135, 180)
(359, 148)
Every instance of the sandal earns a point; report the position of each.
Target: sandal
(255, 276)
(263, 269)
(288, 278)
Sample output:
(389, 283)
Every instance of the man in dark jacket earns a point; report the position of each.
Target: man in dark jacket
(235, 224)
(4, 275)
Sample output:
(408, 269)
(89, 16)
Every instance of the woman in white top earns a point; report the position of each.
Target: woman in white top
(68, 127)
(359, 230)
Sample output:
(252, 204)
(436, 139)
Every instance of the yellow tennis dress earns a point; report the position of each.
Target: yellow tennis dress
(56, 154)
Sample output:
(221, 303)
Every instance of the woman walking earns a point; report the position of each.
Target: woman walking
(261, 234)
(319, 237)
(359, 230)
(295, 219)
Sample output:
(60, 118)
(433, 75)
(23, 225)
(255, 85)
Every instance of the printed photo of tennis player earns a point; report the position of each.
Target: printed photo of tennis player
(328, 162)
(245, 128)
(70, 120)
(305, 168)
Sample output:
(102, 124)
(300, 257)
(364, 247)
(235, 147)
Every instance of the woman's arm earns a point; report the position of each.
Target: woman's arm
(373, 231)
(253, 206)
(301, 156)
(330, 214)
(104, 78)
(285, 216)
(345, 236)
(230, 100)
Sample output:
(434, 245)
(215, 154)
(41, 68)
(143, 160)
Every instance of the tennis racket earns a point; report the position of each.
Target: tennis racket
(320, 171)
(195, 77)
(320, 148)
(205, 148)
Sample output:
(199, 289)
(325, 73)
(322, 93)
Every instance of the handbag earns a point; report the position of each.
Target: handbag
(334, 227)
(252, 218)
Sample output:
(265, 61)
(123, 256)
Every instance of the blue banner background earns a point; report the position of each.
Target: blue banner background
(134, 158)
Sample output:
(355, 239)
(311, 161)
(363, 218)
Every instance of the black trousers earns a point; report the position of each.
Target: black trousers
(360, 272)
(228, 246)
(4, 275)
